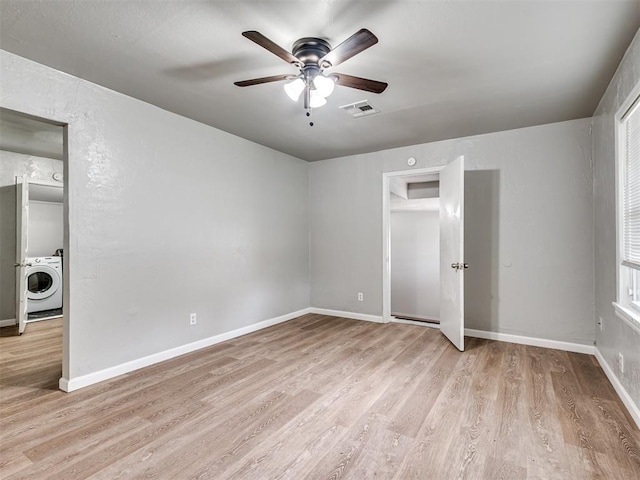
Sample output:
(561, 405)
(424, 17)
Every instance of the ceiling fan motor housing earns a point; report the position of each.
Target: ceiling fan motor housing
(309, 50)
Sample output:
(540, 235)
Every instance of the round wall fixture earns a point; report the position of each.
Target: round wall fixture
(411, 162)
(58, 177)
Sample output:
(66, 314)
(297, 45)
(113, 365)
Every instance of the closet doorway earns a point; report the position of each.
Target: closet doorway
(415, 249)
(423, 248)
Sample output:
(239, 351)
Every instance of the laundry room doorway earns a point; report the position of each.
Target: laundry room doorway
(39, 251)
(34, 235)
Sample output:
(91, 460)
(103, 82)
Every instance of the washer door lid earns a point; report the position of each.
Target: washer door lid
(42, 282)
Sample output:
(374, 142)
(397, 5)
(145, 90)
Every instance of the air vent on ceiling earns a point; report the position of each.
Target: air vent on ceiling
(360, 109)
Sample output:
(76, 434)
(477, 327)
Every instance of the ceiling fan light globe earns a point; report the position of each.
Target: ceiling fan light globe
(294, 89)
(324, 85)
(316, 100)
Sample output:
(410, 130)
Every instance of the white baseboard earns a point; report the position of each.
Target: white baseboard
(353, 315)
(9, 322)
(69, 385)
(63, 384)
(533, 341)
(633, 409)
(501, 337)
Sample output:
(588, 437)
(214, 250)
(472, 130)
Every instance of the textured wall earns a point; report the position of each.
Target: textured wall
(528, 230)
(13, 165)
(616, 335)
(415, 263)
(166, 217)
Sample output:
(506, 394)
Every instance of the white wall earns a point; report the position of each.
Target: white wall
(45, 225)
(167, 216)
(415, 264)
(528, 232)
(13, 165)
(616, 335)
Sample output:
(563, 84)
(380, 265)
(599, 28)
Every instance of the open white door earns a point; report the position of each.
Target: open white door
(452, 252)
(22, 221)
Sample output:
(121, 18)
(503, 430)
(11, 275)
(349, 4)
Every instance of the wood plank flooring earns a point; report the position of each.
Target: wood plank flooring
(318, 397)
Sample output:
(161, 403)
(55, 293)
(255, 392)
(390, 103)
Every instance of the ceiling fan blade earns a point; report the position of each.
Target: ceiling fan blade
(273, 47)
(356, 43)
(360, 83)
(258, 81)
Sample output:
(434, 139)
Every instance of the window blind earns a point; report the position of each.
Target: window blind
(631, 192)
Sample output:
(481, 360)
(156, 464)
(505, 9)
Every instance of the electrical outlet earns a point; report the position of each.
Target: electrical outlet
(621, 362)
(360, 296)
(192, 319)
(601, 323)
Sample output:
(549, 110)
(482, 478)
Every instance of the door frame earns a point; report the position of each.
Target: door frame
(68, 131)
(386, 230)
(22, 245)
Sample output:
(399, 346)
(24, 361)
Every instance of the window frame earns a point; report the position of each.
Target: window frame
(626, 308)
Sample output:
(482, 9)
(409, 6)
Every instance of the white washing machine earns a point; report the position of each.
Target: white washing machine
(44, 283)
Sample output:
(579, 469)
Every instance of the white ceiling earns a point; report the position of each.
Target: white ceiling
(454, 68)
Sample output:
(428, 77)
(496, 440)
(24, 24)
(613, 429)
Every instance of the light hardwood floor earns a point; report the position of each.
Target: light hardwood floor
(318, 398)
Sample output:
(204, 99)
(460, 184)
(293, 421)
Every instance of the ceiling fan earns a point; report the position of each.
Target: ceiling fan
(312, 56)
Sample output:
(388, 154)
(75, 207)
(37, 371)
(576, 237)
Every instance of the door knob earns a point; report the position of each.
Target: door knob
(459, 266)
